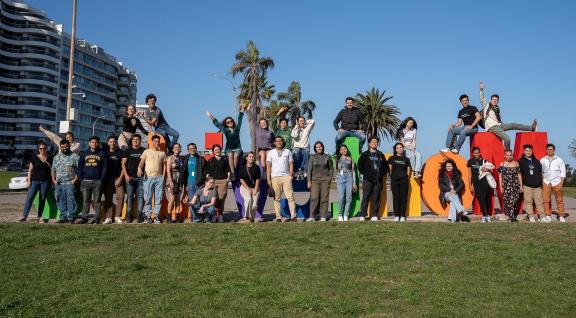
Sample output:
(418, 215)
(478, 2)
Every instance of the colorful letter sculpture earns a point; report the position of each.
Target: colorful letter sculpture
(51, 210)
(430, 189)
(353, 148)
(302, 210)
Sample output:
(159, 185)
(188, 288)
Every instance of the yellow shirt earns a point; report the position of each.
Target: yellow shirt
(153, 162)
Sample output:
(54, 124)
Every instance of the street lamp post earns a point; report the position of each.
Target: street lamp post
(94, 124)
(234, 88)
(71, 62)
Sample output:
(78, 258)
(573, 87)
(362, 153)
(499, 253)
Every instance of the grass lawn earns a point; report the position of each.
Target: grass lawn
(570, 192)
(5, 177)
(289, 270)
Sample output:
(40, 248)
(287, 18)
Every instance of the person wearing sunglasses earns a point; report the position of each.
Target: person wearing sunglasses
(231, 130)
(39, 179)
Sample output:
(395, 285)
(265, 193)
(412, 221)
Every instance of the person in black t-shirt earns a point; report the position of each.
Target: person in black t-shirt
(480, 187)
(219, 169)
(134, 184)
(39, 180)
(372, 165)
(249, 187)
(113, 183)
(532, 178)
(400, 170)
(467, 125)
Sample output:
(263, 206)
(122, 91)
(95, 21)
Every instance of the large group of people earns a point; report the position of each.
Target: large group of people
(123, 169)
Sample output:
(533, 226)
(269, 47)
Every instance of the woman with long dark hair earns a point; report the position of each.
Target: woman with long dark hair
(406, 134)
(479, 183)
(400, 170)
(510, 185)
(451, 186)
(39, 179)
(319, 171)
(231, 130)
(345, 181)
(249, 176)
(175, 181)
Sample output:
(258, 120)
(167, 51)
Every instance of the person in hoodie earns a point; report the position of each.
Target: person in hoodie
(373, 167)
(301, 147)
(350, 122)
(92, 167)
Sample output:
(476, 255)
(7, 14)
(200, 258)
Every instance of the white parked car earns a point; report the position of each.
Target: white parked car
(18, 182)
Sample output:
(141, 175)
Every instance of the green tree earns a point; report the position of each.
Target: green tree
(381, 118)
(572, 148)
(292, 100)
(255, 88)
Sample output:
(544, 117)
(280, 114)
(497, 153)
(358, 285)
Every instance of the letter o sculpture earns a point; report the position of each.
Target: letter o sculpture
(430, 188)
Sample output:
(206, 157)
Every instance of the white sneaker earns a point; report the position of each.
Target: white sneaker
(445, 150)
(310, 220)
(546, 219)
(157, 221)
(220, 219)
(402, 219)
(532, 219)
(488, 219)
(483, 220)
(374, 219)
(322, 219)
(562, 219)
(345, 219)
(108, 221)
(397, 219)
(455, 151)
(340, 219)
(362, 219)
(118, 220)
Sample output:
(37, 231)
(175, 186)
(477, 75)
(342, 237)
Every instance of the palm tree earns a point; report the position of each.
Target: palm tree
(254, 88)
(572, 148)
(292, 100)
(381, 119)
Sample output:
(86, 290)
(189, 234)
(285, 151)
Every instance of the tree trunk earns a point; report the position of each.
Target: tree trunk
(253, 123)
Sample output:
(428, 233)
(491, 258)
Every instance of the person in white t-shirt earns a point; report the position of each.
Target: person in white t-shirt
(279, 171)
(554, 173)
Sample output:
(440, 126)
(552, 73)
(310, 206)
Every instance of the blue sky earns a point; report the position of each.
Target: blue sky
(424, 53)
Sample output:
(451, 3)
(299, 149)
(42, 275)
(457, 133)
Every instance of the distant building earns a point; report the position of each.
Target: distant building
(34, 61)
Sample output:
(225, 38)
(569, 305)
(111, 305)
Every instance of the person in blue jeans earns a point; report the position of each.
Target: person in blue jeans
(158, 124)
(39, 178)
(467, 125)
(203, 203)
(350, 122)
(451, 187)
(345, 182)
(152, 167)
(134, 183)
(64, 177)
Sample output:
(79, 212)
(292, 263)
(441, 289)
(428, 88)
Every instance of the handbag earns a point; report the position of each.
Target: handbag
(271, 192)
(491, 181)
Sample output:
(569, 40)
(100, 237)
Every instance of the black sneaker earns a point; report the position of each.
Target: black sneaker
(169, 220)
(21, 220)
(96, 221)
(62, 221)
(148, 220)
(71, 221)
(45, 221)
(83, 221)
(128, 220)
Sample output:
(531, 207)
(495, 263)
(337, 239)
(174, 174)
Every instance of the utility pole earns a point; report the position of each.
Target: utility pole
(71, 63)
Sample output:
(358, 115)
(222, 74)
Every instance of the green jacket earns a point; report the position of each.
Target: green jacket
(284, 133)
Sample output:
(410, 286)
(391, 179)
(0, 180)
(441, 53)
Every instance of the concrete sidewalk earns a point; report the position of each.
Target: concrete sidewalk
(11, 205)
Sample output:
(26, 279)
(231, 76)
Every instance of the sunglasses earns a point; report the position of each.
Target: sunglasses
(43, 148)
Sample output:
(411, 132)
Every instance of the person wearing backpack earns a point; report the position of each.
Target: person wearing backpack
(492, 121)
(467, 125)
